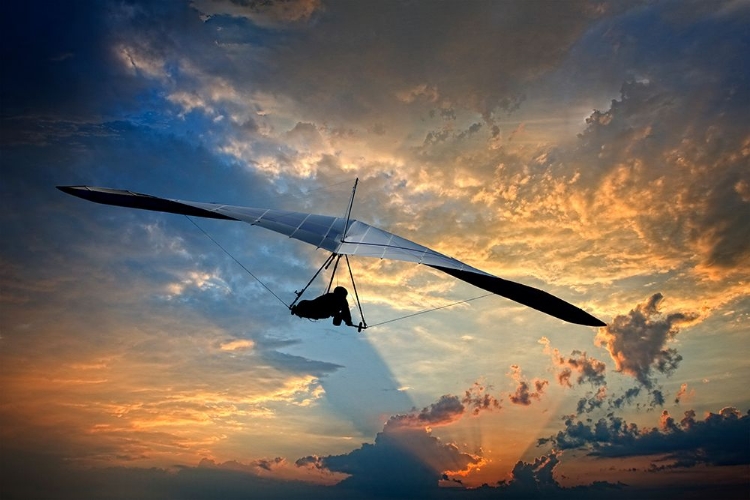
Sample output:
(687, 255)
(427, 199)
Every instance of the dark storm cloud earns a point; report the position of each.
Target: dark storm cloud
(638, 341)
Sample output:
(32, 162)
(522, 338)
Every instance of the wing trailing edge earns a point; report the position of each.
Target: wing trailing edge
(526, 295)
(129, 199)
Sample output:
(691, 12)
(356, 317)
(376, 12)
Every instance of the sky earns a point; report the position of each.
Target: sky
(598, 150)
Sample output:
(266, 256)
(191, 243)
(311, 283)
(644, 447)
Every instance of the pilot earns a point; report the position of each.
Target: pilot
(333, 304)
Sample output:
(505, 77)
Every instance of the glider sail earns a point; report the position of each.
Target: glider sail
(331, 234)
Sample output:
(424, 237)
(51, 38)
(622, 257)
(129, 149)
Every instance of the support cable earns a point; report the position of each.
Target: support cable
(430, 310)
(363, 325)
(237, 261)
(333, 274)
(324, 266)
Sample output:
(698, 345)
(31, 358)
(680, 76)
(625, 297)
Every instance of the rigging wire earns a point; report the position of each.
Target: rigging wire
(324, 266)
(425, 311)
(237, 261)
(323, 194)
(363, 325)
(333, 273)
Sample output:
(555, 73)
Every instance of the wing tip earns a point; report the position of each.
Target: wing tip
(573, 314)
(596, 322)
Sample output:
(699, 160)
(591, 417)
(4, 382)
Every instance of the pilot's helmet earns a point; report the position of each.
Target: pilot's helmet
(340, 290)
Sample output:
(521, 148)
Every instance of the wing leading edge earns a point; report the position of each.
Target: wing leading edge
(361, 239)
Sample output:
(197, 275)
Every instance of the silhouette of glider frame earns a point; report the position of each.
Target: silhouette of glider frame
(343, 236)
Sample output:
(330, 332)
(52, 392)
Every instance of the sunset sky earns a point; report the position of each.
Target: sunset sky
(598, 150)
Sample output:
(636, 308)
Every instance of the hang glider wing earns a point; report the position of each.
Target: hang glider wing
(361, 239)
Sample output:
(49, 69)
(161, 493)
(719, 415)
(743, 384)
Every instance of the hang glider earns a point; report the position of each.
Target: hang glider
(344, 236)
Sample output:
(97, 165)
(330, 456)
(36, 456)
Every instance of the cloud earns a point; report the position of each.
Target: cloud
(626, 398)
(536, 480)
(684, 394)
(237, 345)
(445, 411)
(525, 391)
(536, 476)
(720, 439)
(682, 166)
(478, 399)
(590, 370)
(591, 403)
(448, 409)
(262, 12)
(405, 458)
(637, 341)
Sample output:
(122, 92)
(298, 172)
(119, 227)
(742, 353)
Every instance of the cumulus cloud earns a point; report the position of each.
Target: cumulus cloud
(638, 341)
(589, 370)
(446, 410)
(525, 390)
(537, 480)
(407, 460)
(719, 439)
(592, 402)
(536, 475)
(478, 399)
(404, 459)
